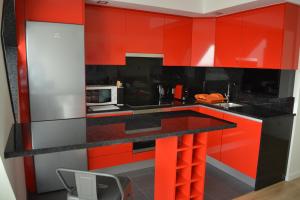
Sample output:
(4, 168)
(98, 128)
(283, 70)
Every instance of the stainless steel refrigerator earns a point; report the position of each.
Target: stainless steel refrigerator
(56, 70)
(56, 74)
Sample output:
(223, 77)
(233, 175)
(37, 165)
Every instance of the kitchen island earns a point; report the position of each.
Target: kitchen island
(180, 136)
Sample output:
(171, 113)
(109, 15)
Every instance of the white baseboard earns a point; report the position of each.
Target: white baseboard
(127, 167)
(292, 176)
(238, 175)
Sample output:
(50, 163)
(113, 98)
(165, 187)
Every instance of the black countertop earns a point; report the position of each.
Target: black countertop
(62, 135)
(254, 111)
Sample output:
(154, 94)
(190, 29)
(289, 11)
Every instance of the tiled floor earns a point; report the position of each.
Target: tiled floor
(218, 186)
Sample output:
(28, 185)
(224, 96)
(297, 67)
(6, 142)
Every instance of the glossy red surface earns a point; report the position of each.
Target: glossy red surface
(29, 163)
(23, 90)
(109, 150)
(228, 40)
(214, 138)
(165, 168)
(180, 167)
(177, 41)
(63, 11)
(22, 62)
(291, 40)
(262, 37)
(143, 156)
(144, 32)
(105, 39)
(240, 145)
(109, 160)
(203, 42)
(178, 91)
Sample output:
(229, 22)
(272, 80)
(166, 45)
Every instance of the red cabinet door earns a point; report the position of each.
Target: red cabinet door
(228, 40)
(291, 40)
(109, 150)
(177, 41)
(144, 32)
(109, 160)
(262, 37)
(203, 42)
(214, 138)
(104, 35)
(66, 11)
(240, 145)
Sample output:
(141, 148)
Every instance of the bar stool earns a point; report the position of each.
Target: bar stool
(96, 186)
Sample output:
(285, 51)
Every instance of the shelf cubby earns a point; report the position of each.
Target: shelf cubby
(184, 158)
(199, 155)
(182, 192)
(180, 167)
(183, 176)
(185, 142)
(196, 190)
(198, 173)
(200, 140)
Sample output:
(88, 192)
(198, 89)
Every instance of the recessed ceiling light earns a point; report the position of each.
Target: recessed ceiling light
(102, 2)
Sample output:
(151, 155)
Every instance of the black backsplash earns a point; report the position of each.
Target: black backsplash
(142, 75)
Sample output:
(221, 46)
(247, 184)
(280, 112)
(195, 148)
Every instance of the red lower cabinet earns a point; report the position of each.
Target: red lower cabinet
(236, 147)
(109, 160)
(214, 138)
(113, 155)
(214, 142)
(146, 155)
(108, 156)
(240, 145)
(117, 154)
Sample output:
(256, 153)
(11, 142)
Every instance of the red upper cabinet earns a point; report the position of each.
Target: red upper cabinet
(144, 32)
(66, 11)
(104, 35)
(240, 145)
(291, 37)
(177, 41)
(262, 35)
(203, 42)
(228, 40)
(261, 38)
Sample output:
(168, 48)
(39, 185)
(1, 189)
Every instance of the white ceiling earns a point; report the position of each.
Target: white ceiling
(191, 8)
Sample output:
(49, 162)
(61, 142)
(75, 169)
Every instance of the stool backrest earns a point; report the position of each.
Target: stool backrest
(86, 186)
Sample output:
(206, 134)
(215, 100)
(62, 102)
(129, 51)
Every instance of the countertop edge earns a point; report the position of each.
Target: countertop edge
(111, 142)
(240, 114)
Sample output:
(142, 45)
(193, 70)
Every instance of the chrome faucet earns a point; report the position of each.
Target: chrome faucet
(227, 95)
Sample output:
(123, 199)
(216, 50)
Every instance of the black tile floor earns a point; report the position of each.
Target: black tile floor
(218, 186)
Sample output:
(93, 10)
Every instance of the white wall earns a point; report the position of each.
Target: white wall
(12, 180)
(215, 5)
(176, 7)
(293, 170)
(193, 8)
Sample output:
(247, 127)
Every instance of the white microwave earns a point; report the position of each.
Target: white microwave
(98, 95)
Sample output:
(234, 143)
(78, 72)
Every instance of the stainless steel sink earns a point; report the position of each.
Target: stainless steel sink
(228, 105)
